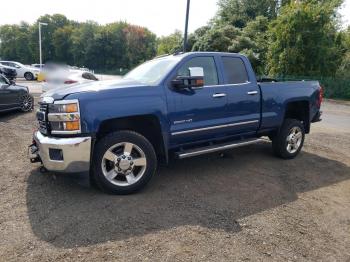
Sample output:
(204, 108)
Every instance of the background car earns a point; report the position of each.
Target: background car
(9, 72)
(14, 97)
(40, 66)
(28, 72)
(66, 77)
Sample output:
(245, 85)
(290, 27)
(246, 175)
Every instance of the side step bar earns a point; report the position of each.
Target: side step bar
(215, 148)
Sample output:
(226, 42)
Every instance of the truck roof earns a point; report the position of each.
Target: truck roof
(206, 53)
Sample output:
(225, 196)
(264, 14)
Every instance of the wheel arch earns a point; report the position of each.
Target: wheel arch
(147, 125)
(299, 110)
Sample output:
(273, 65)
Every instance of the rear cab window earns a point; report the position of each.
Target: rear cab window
(234, 70)
(89, 76)
(209, 68)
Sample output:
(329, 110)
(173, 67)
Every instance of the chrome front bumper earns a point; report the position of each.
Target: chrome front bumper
(62, 154)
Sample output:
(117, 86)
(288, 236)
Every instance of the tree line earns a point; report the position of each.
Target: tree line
(109, 47)
(280, 37)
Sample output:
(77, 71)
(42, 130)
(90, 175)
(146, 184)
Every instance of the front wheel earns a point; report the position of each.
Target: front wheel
(123, 162)
(289, 141)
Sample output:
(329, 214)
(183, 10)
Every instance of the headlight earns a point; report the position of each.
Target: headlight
(64, 117)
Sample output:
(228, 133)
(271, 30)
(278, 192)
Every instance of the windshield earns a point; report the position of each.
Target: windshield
(152, 72)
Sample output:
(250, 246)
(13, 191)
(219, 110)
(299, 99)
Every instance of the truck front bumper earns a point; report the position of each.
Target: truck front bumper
(69, 155)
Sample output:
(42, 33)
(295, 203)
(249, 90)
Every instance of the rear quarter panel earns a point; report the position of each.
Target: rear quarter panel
(276, 96)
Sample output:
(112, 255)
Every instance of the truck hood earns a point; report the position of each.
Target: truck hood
(96, 86)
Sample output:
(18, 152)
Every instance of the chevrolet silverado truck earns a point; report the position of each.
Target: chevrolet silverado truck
(179, 105)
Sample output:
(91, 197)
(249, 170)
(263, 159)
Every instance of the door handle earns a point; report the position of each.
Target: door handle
(251, 93)
(219, 95)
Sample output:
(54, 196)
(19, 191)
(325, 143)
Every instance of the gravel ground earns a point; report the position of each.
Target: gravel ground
(247, 205)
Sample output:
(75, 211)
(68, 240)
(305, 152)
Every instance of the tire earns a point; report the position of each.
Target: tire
(117, 169)
(27, 103)
(29, 76)
(290, 139)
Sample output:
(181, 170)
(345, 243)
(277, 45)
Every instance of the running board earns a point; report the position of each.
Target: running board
(215, 148)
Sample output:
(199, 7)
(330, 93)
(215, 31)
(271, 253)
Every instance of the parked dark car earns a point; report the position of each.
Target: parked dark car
(14, 97)
(9, 72)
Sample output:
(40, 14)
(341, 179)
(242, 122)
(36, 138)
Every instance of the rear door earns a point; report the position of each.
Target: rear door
(243, 95)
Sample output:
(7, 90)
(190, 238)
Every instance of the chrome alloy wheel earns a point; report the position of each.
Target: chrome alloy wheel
(124, 164)
(294, 139)
(27, 103)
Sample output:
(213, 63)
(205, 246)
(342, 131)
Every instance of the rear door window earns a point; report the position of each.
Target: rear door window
(235, 70)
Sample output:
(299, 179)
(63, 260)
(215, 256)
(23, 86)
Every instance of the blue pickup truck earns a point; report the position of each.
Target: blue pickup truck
(180, 105)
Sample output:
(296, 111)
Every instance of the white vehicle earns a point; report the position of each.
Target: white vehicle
(38, 65)
(66, 78)
(28, 72)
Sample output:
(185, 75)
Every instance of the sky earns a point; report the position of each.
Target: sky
(162, 17)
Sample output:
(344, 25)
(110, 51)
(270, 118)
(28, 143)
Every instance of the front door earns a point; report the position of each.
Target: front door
(7, 95)
(195, 114)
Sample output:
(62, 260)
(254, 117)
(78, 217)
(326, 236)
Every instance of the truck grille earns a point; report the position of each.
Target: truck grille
(42, 119)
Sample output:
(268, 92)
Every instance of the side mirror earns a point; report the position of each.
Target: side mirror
(195, 80)
(12, 82)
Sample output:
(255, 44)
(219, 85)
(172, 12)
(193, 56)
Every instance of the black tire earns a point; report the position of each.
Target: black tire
(27, 103)
(280, 143)
(29, 76)
(101, 147)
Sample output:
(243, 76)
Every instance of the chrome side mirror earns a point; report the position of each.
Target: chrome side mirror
(196, 71)
(195, 80)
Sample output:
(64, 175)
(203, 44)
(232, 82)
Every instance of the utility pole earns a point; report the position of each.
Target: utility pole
(186, 26)
(40, 52)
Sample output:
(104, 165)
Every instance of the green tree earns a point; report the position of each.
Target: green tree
(257, 46)
(303, 40)
(239, 12)
(54, 22)
(101, 47)
(62, 43)
(81, 38)
(170, 44)
(13, 43)
(140, 44)
(217, 38)
(344, 68)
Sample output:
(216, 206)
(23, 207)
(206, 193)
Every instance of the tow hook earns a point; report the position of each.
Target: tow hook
(33, 156)
(43, 170)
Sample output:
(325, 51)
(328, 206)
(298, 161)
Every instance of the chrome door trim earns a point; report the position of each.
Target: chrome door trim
(213, 127)
(252, 93)
(224, 85)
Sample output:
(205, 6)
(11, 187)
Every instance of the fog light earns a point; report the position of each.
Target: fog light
(56, 154)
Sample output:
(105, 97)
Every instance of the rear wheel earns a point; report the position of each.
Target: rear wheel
(289, 141)
(123, 162)
(29, 76)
